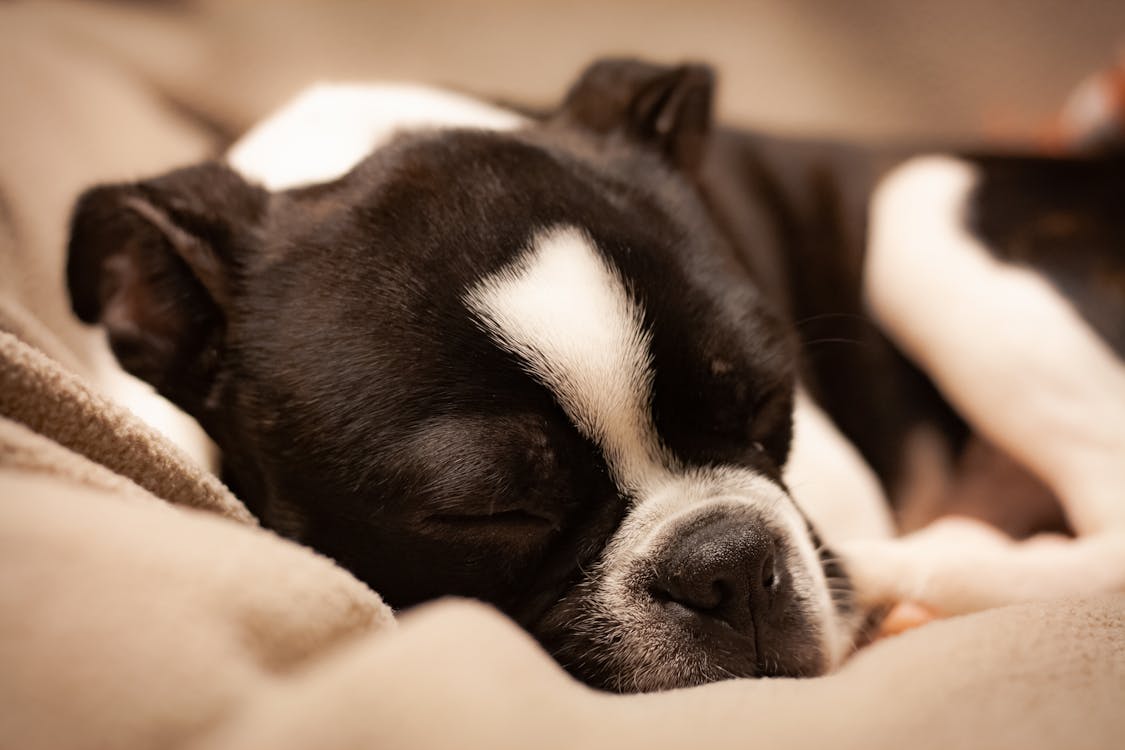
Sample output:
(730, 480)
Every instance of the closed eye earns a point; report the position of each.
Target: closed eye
(516, 520)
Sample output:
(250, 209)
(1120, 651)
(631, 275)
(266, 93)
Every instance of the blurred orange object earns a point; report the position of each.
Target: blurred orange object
(1093, 118)
(905, 616)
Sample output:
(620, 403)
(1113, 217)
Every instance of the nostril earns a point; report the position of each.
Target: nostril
(723, 590)
(768, 575)
(696, 595)
(660, 594)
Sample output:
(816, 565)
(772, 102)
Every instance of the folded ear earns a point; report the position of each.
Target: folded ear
(156, 263)
(663, 107)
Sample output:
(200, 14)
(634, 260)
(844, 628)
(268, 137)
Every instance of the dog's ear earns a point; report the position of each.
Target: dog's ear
(156, 263)
(664, 107)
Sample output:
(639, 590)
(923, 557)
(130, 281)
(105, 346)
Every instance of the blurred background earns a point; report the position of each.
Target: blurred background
(94, 91)
(872, 68)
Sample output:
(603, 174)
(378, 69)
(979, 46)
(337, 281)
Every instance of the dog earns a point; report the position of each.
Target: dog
(581, 363)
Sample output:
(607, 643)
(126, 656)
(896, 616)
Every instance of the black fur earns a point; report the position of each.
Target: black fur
(1065, 218)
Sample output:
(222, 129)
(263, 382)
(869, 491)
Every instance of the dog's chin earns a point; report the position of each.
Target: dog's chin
(653, 645)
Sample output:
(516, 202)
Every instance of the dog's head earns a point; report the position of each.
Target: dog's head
(514, 363)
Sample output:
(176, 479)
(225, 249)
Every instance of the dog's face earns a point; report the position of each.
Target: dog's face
(516, 365)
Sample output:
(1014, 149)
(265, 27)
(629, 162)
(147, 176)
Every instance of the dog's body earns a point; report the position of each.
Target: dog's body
(557, 362)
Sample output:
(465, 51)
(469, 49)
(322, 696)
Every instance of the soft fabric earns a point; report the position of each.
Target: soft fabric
(141, 605)
(39, 393)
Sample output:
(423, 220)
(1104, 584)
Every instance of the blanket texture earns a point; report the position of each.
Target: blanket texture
(142, 606)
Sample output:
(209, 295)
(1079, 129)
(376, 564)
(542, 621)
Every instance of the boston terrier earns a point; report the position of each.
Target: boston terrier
(607, 367)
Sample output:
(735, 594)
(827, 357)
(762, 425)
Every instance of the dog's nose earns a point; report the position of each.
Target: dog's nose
(725, 569)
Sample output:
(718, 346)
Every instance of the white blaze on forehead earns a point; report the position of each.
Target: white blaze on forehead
(329, 128)
(567, 314)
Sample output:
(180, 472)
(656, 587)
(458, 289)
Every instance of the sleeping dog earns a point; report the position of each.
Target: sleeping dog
(607, 367)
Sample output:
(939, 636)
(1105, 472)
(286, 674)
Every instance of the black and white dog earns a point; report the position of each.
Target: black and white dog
(571, 363)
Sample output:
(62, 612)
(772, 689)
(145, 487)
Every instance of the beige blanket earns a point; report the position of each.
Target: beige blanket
(142, 607)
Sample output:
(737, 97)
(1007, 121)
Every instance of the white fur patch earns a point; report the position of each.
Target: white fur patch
(568, 315)
(1002, 344)
(329, 128)
(150, 407)
(829, 478)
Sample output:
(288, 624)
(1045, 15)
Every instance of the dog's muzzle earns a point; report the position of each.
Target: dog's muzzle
(721, 575)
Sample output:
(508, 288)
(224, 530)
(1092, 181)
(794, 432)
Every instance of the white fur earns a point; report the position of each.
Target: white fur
(956, 566)
(1002, 344)
(828, 476)
(156, 411)
(1013, 356)
(329, 128)
(568, 315)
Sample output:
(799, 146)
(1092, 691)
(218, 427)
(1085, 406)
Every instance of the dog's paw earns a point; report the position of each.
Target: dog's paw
(956, 566)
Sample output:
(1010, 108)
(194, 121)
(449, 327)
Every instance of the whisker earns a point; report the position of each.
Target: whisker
(831, 316)
(834, 340)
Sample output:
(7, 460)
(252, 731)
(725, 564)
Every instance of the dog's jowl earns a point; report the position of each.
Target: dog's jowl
(550, 362)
